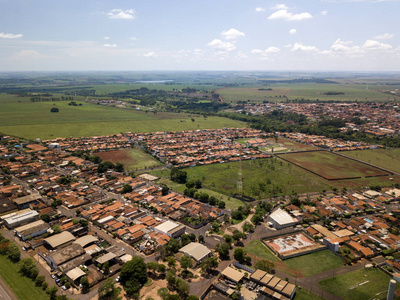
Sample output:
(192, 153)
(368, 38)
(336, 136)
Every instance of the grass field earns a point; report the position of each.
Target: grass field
(332, 166)
(262, 178)
(23, 287)
(310, 264)
(34, 120)
(385, 158)
(310, 91)
(302, 294)
(361, 284)
(302, 266)
(132, 159)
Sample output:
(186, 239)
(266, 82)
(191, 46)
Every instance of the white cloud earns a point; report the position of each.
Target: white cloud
(385, 36)
(301, 47)
(110, 45)
(266, 52)
(324, 12)
(221, 45)
(132, 38)
(117, 13)
(149, 54)
(27, 53)
(288, 16)
(260, 9)
(106, 37)
(375, 45)
(10, 36)
(272, 49)
(292, 31)
(340, 46)
(279, 6)
(257, 51)
(232, 34)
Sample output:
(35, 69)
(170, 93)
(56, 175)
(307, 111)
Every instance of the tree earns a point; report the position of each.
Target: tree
(106, 267)
(108, 291)
(215, 226)
(57, 229)
(256, 218)
(119, 167)
(28, 268)
(52, 291)
(164, 189)
(209, 264)
(223, 250)
(201, 238)
(247, 227)
(126, 188)
(182, 287)
(240, 255)
(173, 246)
(85, 283)
(13, 252)
(185, 239)
(39, 280)
(171, 278)
(54, 109)
(45, 285)
(264, 265)
(221, 204)
(237, 235)
(192, 297)
(133, 275)
(186, 262)
(228, 239)
(178, 175)
(46, 218)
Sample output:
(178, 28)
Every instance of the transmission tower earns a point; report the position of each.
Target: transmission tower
(240, 179)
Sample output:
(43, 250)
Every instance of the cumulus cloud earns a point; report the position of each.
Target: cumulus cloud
(340, 46)
(288, 16)
(304, 48)
(260, 9)
(324, 12)
(110, 45)
(149, 54)
(221, 45)
(292, 31)
(385, 36)
(106, 37)
(232, 34)
(10, 36)
(279, 6)
(117, 13)
(375, 45)
(266, 52)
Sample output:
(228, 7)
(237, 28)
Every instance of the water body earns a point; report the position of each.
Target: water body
(154, 81)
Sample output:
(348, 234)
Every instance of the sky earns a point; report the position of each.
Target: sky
(113, 35)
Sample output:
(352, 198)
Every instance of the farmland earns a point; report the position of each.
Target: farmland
(360, 284)
(331, 166)
(34, 120)
(385, 158)
(312, 91)
(132, 159)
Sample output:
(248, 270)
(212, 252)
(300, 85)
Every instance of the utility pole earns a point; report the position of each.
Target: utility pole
(240, 180)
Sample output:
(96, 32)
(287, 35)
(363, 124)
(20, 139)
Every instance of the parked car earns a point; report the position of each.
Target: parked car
(64, 287)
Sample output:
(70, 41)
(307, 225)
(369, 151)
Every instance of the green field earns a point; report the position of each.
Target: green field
(262, 178)
(23, 287)
(34, 120)
(310, 264)
(309, 91)
(302, 294)
(385, 158)
(301, 266)
(361, 284)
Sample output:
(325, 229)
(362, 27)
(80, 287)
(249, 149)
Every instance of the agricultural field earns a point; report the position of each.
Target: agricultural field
(262, 178)
(331, 166)
(366, 283)
(386, 158)
(301, 266)
(34, 120)
(132, 159)
(311, 91)
(23, 287)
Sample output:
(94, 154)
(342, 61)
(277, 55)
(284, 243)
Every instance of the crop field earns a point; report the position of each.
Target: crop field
(368, 283)
(34, 120)
(132, 159)
(331, 166)
(386, 158)
(351, 92)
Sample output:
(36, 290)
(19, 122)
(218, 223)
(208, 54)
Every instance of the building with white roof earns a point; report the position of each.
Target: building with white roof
(171, 229)
(196, 251)
(280, 219)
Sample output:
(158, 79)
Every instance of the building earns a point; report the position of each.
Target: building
(232, 274)
(171, 229)
(31, 230)
(64, 255)
(24, 202)
(280, 219)
(60, 239)
(20, 218)
(86, 241)
(196, 251)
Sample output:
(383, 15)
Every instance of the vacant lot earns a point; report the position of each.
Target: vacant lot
(331, 166)
(385, 158)
(23, 287)
(361, 284)
(34, 120)
(132, 159)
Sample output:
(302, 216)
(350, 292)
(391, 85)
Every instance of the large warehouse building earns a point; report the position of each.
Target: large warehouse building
(280, 219)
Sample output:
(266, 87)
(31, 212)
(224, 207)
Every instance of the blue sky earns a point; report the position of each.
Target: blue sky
(55, 35)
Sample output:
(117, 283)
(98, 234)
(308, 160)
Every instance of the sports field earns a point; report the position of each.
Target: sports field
(132, 159)
(369, 283)
(33, 120)
(311, 91)
(386, 158)
(331, 166)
